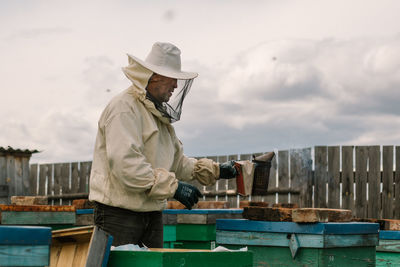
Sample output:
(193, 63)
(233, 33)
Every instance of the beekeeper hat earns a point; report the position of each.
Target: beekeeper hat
(164, 59)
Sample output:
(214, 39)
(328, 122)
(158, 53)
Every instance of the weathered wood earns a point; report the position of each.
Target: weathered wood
(321, 176)
(74, 177)
(37, 217)
(99, 248)
(82, 204)
(283, 174)
(267, 214)
(334, 177)
(50, 180)
(272, 184)
(286, 205)
(311, 215)
(16, 183)
(212, 205)
(68, 196)
(25, 176)
(29, 200)
(347, 178)
(33, 173)
(57, 179)
(84, 173)
(37, 208)
(4, 188)
(361, 181)
(65, 176)
(84, 219)
(26, 255)
(389, 224)
(42, 179)
(374, 182)
(10, 174)
(387, 182)
(397, 185)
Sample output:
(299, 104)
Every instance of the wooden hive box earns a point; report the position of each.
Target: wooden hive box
(24, 245)
(80, 246)
(388, 250)
(180, 257)
(305, 244)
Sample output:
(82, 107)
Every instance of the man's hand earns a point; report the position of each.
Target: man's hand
(187, 194)
(227, 170)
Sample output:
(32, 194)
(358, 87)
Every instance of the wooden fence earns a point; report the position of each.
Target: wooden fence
(365, 179)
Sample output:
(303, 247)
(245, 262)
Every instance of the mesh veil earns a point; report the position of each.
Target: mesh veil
(173, 108)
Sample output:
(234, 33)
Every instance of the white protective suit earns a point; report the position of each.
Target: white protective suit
(137, 158)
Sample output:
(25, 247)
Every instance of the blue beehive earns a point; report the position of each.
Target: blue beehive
(25, 246)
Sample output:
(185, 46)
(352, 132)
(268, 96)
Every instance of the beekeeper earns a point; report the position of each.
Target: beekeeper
(138, 160)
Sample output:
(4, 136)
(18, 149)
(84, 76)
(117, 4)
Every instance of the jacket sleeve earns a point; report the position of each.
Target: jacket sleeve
(206, 171)
(124, 146)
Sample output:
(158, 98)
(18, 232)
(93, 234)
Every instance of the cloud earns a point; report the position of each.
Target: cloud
(35, 33)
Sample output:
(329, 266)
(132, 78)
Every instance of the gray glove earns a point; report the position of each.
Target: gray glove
(227, 170)
(187, 194)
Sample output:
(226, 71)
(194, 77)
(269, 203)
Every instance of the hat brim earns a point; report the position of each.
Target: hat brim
(182, 75)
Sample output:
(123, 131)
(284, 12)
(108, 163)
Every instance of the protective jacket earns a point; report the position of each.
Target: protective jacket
(138, 159)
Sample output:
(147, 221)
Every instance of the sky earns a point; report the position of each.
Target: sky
(275, 74)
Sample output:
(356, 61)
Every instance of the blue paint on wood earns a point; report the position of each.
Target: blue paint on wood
(204, 211)
(17, 255)
(291, 227)
(107, 250)
(304, 240)
(25, 235)
(84, 211)
(37, 217)
(392, 235)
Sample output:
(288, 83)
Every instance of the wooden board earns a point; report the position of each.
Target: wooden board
(374, 182)
(267, 214)
(347, 178)
(361, 181)
(37, 208)
(310, 215)
(321, 176)
(388, 224)
(37, 218)
(82, 246)
(300, 228)
(387, 182)
(397, 185)
(305, 240)
(334, 177)
(283, 174)
(29, 200)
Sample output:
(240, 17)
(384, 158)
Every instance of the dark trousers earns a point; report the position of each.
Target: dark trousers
(130, 227)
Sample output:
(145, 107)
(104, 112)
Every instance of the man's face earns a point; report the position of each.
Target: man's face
(161, 87)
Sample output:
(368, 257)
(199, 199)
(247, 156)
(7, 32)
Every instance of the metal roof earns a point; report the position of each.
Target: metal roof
(17, 152)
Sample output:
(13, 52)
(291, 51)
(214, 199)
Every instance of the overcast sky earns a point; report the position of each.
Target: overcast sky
(272, 74)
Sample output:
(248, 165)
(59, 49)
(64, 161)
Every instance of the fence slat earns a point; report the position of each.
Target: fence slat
(233, 199)
(25, 176)
(361, 181)
(42, 179)
(33, 179)
(374, 182)
(50, 182)
(74, 177)
(397, 185)
(347, 178)
(300, 178)
(334, 177)
(272, 184)
(65, 172)
(387, 182)
(321, 176)
(283, 174)
(84, 173)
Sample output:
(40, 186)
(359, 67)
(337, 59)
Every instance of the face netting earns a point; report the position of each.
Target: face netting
(173, 108)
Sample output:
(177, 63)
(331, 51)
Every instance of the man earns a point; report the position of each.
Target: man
(138, 161)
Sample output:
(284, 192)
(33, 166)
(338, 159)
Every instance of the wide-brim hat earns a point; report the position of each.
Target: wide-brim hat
(164, 59)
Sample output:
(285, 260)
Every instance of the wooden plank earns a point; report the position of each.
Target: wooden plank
(36, 208)
(192, 218)
(390, 224)
(3, 184)
(50, 180)
(334, 177)
(74, 177)
(321, 176)
(273, 182)
(42, 179)
(347, 178)
(361, 181)
(312, 215)
(10, 169)
(387, 182)
(36, 218)
(212, 205)
(374, 182)
(65, 177)
(80, 254)
(82, 204)
(267, 214)
(99, 248)
(57, 179)
(26, 255)
(33, 176)
(397, 185)
(283, 174)
(84, 173)
(389, 246)
(25, 176)
(67, 255)
(84, 219)
(306, 240)
(29, 200)
(342, 228)
(17, 183)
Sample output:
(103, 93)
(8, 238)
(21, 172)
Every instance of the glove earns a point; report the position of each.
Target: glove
(187, 194)
(227, 170)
